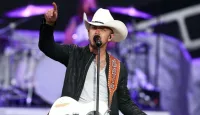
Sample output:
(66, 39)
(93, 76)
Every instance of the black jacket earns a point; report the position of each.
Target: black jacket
(77, 60)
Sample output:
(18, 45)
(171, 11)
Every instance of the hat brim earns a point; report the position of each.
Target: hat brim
(118, 27)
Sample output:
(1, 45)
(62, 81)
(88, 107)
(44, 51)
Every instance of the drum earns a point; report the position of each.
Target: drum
(49, 79)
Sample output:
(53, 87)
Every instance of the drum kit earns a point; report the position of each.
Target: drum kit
(29, 75)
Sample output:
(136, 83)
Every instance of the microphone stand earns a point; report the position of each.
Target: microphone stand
(98, 44)
(98, 69)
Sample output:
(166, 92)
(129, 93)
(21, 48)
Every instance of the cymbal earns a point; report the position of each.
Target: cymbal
(28, 11)
(130, 11)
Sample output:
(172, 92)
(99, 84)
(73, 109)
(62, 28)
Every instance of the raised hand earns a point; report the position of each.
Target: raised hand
(51, 15)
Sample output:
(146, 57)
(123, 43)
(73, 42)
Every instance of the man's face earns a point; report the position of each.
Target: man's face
(105, 34)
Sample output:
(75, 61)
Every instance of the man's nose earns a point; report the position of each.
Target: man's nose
(97, 31)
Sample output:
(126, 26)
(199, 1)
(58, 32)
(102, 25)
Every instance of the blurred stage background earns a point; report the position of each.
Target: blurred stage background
(161, 52)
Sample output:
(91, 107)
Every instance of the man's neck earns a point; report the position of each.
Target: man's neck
(102, 52)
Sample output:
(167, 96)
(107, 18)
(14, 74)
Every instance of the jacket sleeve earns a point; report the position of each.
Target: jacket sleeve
(126, 105)
(50, 48)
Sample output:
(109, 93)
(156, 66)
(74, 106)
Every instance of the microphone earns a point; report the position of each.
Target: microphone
(97, 40)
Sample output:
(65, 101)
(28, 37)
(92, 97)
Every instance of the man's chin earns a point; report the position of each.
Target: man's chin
(94, 46)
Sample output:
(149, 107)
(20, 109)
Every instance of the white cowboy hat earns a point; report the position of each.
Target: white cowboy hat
(102, 17)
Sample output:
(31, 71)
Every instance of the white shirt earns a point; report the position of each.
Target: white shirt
(90, 86)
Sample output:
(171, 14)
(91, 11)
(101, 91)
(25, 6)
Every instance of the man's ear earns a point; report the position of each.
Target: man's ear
(110, 37)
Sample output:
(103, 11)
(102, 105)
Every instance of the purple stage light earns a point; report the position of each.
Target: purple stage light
(30, 10)
(130, 11)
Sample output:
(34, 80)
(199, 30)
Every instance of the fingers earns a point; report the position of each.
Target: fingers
(55, 7)
(49, 13)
